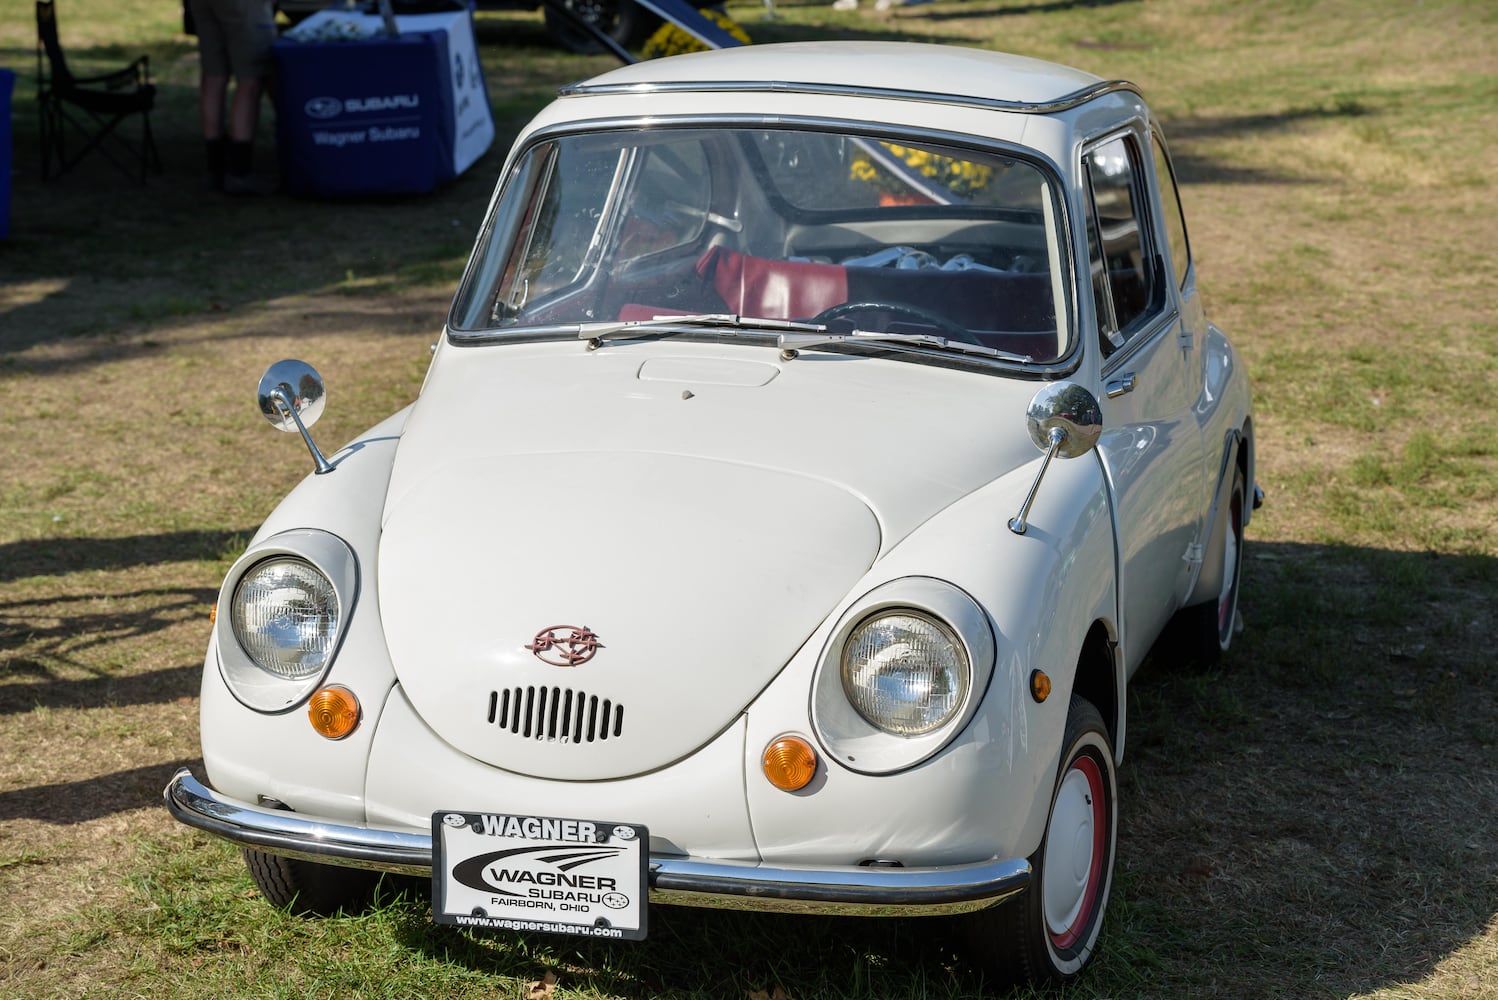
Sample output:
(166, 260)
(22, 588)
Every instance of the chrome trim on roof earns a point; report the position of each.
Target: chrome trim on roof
(1063, 103)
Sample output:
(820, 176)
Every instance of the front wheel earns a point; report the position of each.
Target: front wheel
(1048, 935)
(307, 888)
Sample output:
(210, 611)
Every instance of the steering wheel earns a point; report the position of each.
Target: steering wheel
(946, 326)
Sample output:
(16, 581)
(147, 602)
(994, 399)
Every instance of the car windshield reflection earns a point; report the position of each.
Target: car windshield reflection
(854, 233)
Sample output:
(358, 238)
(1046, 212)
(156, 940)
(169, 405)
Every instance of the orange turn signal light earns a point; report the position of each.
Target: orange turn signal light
(334, 712)
(1040, 685)
(790, 763)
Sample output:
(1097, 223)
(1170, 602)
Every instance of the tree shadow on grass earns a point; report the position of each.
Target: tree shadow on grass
(71, 802)
(156, 687)
(46, 643)
(49, 639)
(1314, 817)
(1188, 135)
(57, 556)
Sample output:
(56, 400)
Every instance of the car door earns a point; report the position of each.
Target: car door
(1151, 446)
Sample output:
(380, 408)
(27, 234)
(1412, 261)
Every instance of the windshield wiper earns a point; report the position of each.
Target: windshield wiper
(621, 329)
(802, 341)
(792, 334)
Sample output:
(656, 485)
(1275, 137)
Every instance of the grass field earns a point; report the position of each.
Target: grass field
(1317, 818)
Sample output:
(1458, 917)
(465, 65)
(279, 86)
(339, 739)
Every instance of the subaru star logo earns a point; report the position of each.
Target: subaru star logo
(565, 645)
(323, 107)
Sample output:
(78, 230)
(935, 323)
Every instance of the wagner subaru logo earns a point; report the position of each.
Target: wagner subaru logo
(392, 102)
(557, 881)
(323, 107)
(331, 107)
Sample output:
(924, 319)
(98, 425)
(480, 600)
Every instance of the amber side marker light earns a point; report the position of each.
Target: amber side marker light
(334, 712)
(790, 763)
(213, 615)
(1040, 685)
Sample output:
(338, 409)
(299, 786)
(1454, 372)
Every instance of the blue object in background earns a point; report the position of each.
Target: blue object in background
(383, 115)
(360, 118)
(7, 83)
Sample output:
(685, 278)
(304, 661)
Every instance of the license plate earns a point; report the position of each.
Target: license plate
(539, 873)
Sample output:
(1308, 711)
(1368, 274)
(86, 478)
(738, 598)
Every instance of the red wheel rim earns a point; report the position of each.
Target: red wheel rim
(1086, 767)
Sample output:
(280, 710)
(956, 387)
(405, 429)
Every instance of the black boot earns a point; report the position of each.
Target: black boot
(216, 155)
(240, 178)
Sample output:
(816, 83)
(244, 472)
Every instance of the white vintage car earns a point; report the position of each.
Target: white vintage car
(820, 438)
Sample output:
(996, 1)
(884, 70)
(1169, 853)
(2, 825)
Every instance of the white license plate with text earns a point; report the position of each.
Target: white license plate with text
(539, 873)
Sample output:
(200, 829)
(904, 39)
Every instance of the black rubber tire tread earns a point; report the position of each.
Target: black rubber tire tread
(306, 888)
(1005, 942)
(1191, 638)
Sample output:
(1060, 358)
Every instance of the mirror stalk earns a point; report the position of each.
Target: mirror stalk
(1017, 523)
(1064, 419)
(281, 397)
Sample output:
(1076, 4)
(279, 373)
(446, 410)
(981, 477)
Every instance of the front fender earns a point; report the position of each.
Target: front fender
(987, 793)
(255, 756)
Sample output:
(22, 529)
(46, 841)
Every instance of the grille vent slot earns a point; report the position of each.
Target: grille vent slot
(556, 714)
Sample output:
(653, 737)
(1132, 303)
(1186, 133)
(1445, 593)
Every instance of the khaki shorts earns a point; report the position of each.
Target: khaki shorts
(234, 37)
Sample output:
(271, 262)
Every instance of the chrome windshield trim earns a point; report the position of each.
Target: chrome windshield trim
(741, 885)
(1054, 172)
(1063, 103)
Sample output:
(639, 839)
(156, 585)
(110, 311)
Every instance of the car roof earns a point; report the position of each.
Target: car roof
(915, 67)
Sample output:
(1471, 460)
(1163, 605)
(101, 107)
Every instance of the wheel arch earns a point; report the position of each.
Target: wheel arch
(1246, 462)
(1099, 680)
(1237, 452)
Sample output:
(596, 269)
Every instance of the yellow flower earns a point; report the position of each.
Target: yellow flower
(670, 40)
(958, 176)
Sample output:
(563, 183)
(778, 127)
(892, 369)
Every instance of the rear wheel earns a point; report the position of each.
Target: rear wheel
(308, 888)
(1201, 633)
(1048, 934)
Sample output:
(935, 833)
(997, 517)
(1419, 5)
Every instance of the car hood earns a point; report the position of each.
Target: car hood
(591, 563)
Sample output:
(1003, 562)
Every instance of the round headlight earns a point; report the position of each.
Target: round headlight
(285, 616)
(905, 673)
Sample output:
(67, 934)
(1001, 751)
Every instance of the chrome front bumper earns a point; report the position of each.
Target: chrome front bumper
(685, 881)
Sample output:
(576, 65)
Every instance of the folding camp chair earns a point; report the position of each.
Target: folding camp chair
(93, 106)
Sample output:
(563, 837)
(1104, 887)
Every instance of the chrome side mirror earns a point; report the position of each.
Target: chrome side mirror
(1064, 419)
(291, 398)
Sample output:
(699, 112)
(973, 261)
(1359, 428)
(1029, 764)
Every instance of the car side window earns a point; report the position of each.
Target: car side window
(1124, 284)
(1174, 218)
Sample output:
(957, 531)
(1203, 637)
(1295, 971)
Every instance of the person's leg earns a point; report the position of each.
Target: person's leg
(211, 93)
(254, 32)
(213, 88)
(244, 116)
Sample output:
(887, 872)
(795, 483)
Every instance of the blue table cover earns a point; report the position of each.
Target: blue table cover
(383, 115)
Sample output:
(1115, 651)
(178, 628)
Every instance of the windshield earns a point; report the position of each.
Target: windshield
(860, 233)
